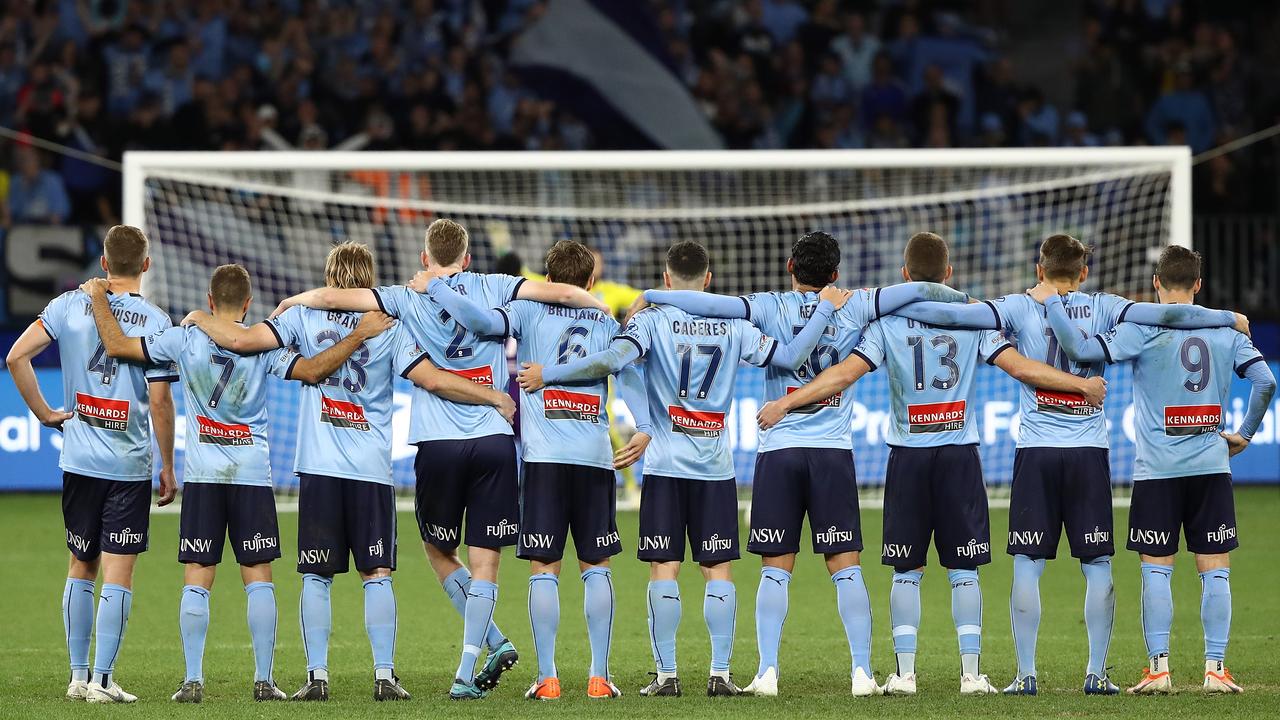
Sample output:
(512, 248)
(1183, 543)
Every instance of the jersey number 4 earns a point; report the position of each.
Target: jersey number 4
(103, 364)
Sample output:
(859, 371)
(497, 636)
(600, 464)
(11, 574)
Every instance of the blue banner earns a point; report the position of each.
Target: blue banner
(29, 451)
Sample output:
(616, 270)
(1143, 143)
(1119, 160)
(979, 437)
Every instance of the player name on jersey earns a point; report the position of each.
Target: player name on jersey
(343, 414)
(936, 417)
(832, 402)
(567, 405)
(1063, 403)
(696, 423)
(217, 433)
(103, 413)
(478, 375)
(1191, 419)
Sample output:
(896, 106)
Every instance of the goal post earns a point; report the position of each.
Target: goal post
(278, 213)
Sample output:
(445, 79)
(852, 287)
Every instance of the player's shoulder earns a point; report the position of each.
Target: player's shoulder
(137, 303)
(1013, 302)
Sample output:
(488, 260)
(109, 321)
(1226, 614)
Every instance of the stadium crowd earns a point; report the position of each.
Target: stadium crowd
(106, 76)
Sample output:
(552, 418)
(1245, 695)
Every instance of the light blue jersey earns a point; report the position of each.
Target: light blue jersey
(344, 423)
(1181, 379)
(1050, 418)
(226, 404)
(109, 436)
(690, 365)
(452, 347)
(567, 423)
(783, 314)
(931, 373)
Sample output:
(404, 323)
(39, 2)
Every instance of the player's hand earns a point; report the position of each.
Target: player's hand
(95, 287)
(168, 487)
(1094, 391)
(771, 414)
(639, 304)
(194, 318)
(374, 323)
(1242, 324)
(628, 454)
(1042, 291)
(530, 377)
(55, 418)
(285, 304)
(834, 295)
(420, 281)
(1236, 443)
(505, 406)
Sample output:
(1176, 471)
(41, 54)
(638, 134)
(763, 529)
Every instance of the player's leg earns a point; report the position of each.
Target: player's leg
(322, 553)
(594, 523)
(713, 531)
(546, 494)
(777, 515)
(255, 539)
(1210, 528)
(1034, 530)
(371, 533)
(125, 522)
(908, 524)
(201, 536)
(1086, 512)
(82, 499)
(663, 512)
(1155, 515)
(962, 537)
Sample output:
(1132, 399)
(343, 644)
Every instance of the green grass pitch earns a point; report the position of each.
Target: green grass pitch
(815, 659)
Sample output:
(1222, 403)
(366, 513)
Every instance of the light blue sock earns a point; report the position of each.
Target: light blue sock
(598, 604)
(772, 599)
(664, 620)
(854, 605)
(482, 598)
(456, 587)
(544, 616)
(1157, 607)
(262, 627)
(904, 616)
(1099, 611)
(1215, 612)
(1024, 610)
(380, 623)
(966, 612)
(77, 622)
(720, 612)
(316, 618)
(193, 621)
(113, 619)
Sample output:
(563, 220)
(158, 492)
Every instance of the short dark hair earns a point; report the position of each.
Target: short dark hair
(447, 241)
(125, 248)
(1178, 267)
(229, 286)
(570, 262)
(1063, 257)
(927, 257)
(815, 258)
(688, 260)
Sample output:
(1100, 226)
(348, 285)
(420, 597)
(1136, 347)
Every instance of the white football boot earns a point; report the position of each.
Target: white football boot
(764, 686)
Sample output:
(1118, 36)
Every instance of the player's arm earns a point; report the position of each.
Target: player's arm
(114, 341)
(32, 342)
(632, 390)
(327, 298)
(1037, 374)
(1092, 349)
(970, 316)
(620, 353)
(829, 382)
(234, 336)
(470, 314)
(890, 299)
(313, 370)
(441, 383)
(792, 354)
(162, 414)
(1264, 388)
(554, 293)
(704, 304)
(1182, 317)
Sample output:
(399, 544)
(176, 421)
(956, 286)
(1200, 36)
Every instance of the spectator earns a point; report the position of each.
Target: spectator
(885, 95)
(992, 131)
(126, 65)
(857, 50)
(174, 82)
(830, 88)
(93, 189)
(1077, 132)
(783, 18)
(13, 77)
(41, 102)
(1038, 120)
(936, 104)
(36, 195)
(1186, 106)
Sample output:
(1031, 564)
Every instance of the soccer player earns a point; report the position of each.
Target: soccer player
(569, 483)
(1182, 474)
(933, 483)
(466, 458)
(227, 487)
(106, 454)
(804, 465)
(689, 488)
(1062, 473)
(346, 496)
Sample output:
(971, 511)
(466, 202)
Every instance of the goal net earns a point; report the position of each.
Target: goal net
(279, 213)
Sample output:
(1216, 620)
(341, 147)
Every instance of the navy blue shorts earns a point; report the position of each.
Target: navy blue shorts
(935, 491)
(212, 512)
(556, 499)
(706, 511)
(340, 518)
(1201, 505)
(1055, 488)
(105, 515)
(793, 481)
(477, 478)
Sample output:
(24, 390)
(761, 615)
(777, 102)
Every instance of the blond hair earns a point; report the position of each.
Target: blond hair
(349, 265)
